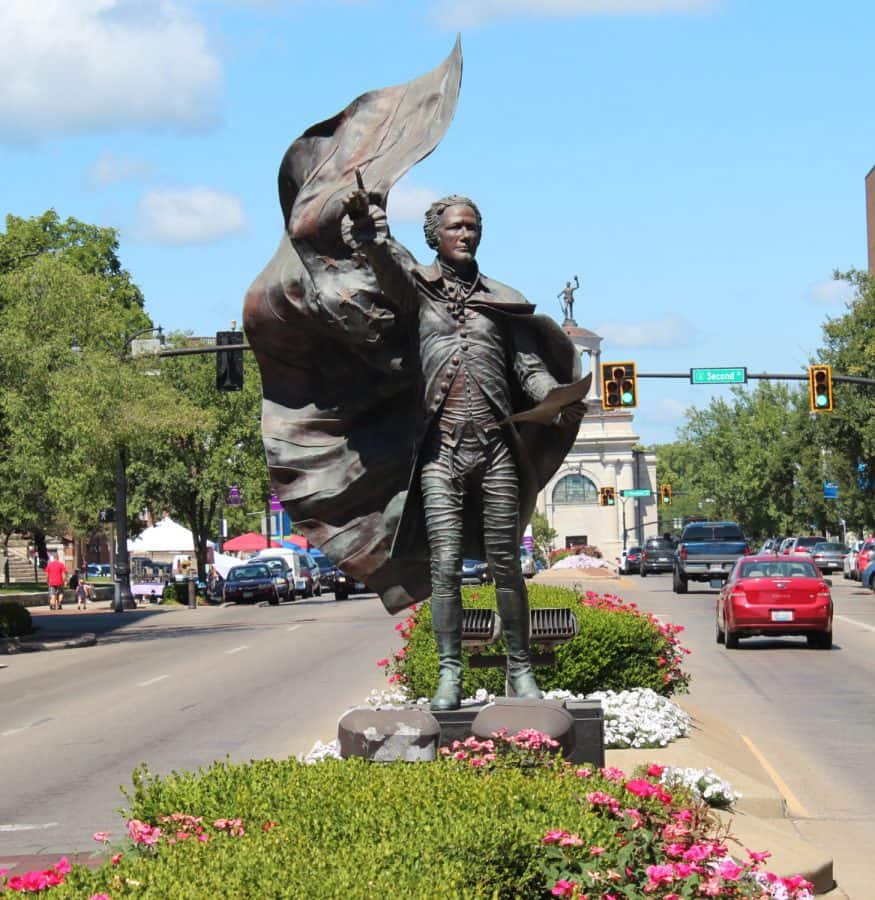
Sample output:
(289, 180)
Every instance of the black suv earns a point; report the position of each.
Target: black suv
(657, 556)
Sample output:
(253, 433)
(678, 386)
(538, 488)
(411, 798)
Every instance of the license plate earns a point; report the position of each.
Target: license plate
(716, 568)
(248, 595)
(300, 585)
(782, 615)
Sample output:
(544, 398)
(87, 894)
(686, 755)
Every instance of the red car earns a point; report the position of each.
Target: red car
(864, 557)
(769, 595)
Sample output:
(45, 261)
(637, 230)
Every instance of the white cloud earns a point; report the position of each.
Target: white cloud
(830, 293)
(110, 169)
(188, 216)
(672, 331)
(470, 13)
(408, 203)
(73, 66)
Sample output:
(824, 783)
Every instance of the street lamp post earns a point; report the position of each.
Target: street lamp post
(123, 598)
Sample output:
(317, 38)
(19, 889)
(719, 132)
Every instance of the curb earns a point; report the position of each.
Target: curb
(33, 643)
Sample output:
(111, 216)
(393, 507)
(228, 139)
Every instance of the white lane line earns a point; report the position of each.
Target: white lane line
(12, 731)
(294, 628)
(855, 622)
(29, 827)
(152, 681)
(238, 649)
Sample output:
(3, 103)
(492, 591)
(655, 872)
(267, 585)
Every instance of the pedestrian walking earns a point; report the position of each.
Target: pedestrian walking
(56, 576)
(82, 594)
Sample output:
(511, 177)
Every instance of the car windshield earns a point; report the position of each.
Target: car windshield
(808, 541)
(695, 533)
(275, 565)
(243, 573)
(633, 550)
(830, 547)
(324, 563)
(765, 568)
(660, 544)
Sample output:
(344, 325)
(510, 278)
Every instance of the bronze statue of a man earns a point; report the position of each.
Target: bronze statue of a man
(470, 358)
(403, 420)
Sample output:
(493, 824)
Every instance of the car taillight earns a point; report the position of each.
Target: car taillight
(683, 553)
(737, 593)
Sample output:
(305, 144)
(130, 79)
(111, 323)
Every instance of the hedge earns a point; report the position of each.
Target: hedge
(15, 619)
(617, 648)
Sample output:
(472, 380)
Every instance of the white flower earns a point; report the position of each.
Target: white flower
(321, 752)
(703, 782)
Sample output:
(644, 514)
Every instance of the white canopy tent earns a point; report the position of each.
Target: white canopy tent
(166, 536)
(222, 563)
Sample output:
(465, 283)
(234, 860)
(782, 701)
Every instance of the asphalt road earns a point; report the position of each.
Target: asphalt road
(176, 688)
(810, 714)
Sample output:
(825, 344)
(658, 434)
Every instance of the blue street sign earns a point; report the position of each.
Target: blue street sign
(830, 490)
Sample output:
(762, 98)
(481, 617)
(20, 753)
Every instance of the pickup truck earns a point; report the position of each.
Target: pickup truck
(707, 551)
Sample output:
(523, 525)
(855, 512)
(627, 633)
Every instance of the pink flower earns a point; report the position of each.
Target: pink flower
(596, 851)
(383, 662)
(29, 881)
(563, 888)
(3, 872)
(62, 866)
(675, 849)
(640, 787)
(758, 857)
(100, 897)
(729, 869)
(612, 773)
(660, 874)
(553, 837)
(711, 887)
(697, 853)
(654, 770)
(571, 840)
(115, 859)
(583, 773)
(102, 837)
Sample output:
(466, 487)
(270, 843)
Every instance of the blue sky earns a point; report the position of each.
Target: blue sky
(698, 163)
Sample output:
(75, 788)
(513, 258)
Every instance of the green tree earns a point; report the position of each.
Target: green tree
(186, 469)
(753, 459)
(848, 433)
(542, 536)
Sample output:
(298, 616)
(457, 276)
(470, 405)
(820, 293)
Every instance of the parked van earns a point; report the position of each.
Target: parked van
(306, 581)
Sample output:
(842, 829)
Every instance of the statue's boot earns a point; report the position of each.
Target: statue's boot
(449, 690)
(447, 623)
(513, 607)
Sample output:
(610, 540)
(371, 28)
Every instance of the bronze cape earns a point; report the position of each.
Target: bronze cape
(343, 416)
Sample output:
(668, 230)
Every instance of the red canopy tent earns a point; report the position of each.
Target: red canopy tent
(248, 543)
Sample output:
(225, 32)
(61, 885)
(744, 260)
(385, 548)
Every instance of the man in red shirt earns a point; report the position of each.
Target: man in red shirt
(56, 575)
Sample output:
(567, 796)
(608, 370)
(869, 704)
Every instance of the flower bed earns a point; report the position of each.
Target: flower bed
(357, 830)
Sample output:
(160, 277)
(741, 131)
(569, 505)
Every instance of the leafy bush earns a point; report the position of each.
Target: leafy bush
(15, 619)
(493, 819)
(617, 648)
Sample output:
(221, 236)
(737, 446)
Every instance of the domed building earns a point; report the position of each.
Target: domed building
(607, 453)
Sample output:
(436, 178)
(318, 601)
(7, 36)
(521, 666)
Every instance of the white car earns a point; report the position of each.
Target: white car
(850, 560)
(527, 562)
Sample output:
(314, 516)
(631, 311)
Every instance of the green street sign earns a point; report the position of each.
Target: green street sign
(636, 492)
(733, 375)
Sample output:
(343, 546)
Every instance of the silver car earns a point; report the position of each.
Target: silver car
(829, 556)
(527, 562)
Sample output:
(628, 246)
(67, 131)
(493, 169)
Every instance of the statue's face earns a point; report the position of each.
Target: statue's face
(458, 235)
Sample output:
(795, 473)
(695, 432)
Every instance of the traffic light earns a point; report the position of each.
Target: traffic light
(665, 494)
(607, 497)
(229, 363)
(820, 388)
(619, 385)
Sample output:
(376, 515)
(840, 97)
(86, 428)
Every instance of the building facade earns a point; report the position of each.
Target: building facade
(607, 453)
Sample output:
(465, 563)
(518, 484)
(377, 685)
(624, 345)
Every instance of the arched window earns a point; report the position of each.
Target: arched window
(574, 489)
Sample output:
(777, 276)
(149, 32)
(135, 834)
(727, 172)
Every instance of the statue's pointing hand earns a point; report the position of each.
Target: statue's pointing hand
(364, 222)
